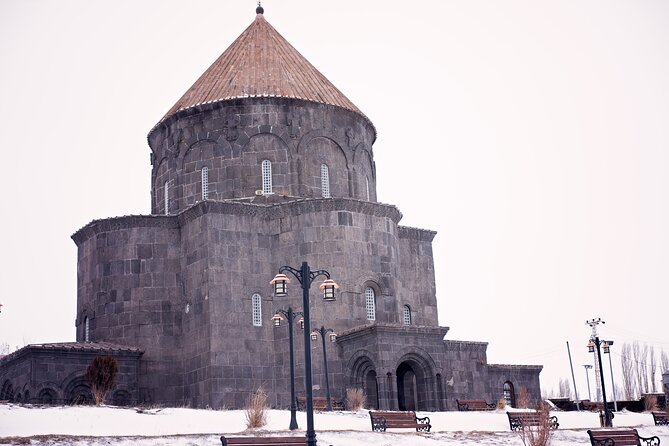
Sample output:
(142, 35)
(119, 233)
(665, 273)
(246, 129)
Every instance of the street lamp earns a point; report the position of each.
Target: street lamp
(587, 378)
(596, 343)
(305, 277)
(290, 315)
(333, 338)
(606, 346)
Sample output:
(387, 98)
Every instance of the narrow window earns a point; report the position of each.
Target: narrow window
(87, 330)
(205, 183)
(257, 313)
(370, 304)
(367, 187)
(406, 317)
(167, 199)
(267, 177)
(325, 181)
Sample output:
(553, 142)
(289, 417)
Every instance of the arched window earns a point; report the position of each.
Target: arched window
(267, 177)
(370, 303)
(257, 310)
(167, 198)
(325, 181)
(87, 329)
(367, 187)
(509, 394)
(406, 316)
(205, 183)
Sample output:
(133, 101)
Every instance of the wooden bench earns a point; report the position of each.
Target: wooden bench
(592, 406)
(319, 403)
(519, 420)
(466, 405)
(384, 419)
(620, 437)
(263, 441)
(660, 418)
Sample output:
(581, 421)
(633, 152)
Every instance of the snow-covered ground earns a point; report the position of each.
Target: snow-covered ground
(94, 426)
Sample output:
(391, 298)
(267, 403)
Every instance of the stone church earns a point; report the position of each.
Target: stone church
(261, 163)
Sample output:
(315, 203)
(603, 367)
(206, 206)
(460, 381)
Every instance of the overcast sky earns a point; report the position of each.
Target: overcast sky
(533, 136)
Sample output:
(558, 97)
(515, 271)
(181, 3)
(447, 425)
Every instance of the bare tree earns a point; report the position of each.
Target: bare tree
(652, 368)
(643, 369)
(627, 365)
(565, 388)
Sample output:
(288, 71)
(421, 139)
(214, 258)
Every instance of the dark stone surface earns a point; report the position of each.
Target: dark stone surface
(179, 287)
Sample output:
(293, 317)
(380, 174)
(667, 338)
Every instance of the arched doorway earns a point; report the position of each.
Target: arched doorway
(509, 394)
(362, 375)
(415, 383)
(371, 390)
(407, 391)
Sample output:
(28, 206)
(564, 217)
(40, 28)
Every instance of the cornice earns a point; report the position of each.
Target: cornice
(272, 211)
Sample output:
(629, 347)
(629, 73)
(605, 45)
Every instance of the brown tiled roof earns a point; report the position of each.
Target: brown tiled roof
(261, 63)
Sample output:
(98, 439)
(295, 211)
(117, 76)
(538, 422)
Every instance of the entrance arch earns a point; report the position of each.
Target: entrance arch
(371, 390)
(415, 377)
(362, 375)
(407, 391)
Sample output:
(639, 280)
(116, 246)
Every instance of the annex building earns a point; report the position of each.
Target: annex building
(261, 163)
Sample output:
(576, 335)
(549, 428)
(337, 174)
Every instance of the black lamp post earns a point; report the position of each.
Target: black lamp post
(290, 315)
(606, 346)
(305, 276)
(596, 343)
(333, 337)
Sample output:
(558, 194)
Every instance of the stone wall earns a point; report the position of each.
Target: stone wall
(54, 373)
(233, 138)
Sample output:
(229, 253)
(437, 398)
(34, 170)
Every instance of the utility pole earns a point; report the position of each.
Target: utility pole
(571, 366)
(594, 347)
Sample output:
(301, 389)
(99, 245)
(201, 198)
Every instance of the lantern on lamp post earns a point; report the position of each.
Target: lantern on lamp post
(305, 276)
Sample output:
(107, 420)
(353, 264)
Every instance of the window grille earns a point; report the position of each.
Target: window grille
(87, 330)
(167, 198)
(370, 304)
(367, 187)
(407, 315)
(325, 181)
(205, 183)
(257, 313)
(267, 177)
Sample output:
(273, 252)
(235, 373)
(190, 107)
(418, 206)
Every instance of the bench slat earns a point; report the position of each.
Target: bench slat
(620, 437)
(466, 405)
(382, 420)
(518, 420)
(660, 418)
(263, 441)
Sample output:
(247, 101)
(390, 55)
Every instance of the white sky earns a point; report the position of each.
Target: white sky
(531, 135)
(204, 427)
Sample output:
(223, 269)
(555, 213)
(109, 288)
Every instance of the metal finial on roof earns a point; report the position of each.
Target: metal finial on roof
(259, 9)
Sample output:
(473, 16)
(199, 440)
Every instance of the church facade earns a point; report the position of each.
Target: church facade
(262, 163)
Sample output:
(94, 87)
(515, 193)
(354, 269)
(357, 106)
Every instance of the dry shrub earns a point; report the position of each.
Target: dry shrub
(355, 399)
(540, 435)
(650, 403)
(256, 409)
(523, 398)
(101, 376)
(501, 403)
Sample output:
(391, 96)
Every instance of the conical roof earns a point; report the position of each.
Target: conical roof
(261, 63)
